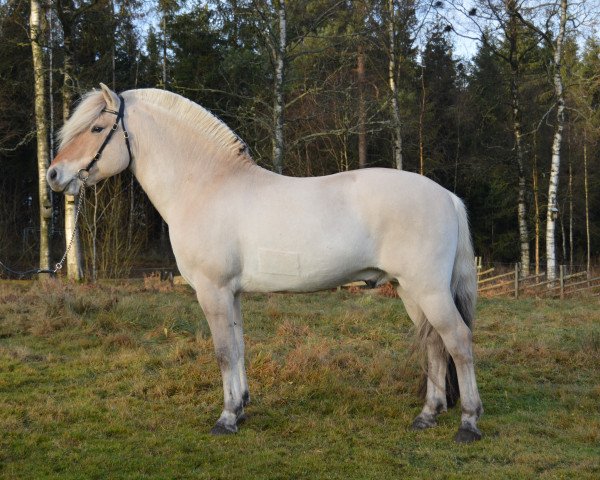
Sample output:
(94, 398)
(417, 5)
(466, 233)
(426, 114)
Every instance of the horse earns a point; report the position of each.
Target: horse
(236, 227)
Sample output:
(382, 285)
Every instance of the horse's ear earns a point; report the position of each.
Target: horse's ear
(110, 97)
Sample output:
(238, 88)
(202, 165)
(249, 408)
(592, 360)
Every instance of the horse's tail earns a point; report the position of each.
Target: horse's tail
(464, 274)
(464, 291)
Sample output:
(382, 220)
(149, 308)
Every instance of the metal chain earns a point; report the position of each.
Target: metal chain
(60, 264)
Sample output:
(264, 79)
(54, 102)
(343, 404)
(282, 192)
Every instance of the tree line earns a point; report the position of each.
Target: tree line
(316, 87)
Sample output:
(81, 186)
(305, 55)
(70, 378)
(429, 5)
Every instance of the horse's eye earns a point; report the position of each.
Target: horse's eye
(97, 129)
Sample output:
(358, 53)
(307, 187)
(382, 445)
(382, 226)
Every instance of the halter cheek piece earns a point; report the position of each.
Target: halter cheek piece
(84, 172)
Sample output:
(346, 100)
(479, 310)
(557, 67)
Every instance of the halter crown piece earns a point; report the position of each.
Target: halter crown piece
(84, 172)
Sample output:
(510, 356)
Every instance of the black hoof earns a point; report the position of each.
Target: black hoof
(421, 423)
(220, 429)
(467, 435)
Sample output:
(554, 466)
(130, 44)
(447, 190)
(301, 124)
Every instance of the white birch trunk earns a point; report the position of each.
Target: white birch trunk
(280, 48)
(43, 153)
(74, 260)
(552, 211)
(396, 124)
(521, 204)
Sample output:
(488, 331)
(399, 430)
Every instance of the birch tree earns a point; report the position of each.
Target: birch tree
(43, 151)
(279, 50)
(269, 18)
(68, 14)
(552, 211)
(396, 123)
(556, 45)
(500, 18)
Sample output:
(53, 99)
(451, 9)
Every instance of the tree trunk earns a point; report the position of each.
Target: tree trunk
(164, 50)
(362, 111)
(570, 215)
(421, 121)
(536, 204)
(50, 22)
(396, 124)
(113, 54)
(512, 34)
(552, 212)
(75, 254)
(278, 140)
(43, 153)
(587, 209)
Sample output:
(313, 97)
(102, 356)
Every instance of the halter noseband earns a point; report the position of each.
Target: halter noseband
(84, 172)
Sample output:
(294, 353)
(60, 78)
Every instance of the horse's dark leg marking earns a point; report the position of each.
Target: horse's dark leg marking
(219, 307)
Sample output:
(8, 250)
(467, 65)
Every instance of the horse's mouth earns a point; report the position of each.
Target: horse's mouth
(71, 188)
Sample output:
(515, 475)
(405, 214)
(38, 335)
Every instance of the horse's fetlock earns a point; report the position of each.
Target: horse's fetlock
(423, 421)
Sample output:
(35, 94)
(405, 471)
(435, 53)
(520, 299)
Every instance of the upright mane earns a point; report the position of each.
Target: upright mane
(194, 114)
(92, 103)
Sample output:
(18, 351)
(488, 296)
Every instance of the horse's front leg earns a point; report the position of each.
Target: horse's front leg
(238, 324)
(219, 308)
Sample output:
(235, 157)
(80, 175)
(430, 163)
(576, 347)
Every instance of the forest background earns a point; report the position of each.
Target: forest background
(316, 87)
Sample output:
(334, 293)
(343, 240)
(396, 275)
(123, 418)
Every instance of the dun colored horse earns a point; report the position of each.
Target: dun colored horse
(236, 227)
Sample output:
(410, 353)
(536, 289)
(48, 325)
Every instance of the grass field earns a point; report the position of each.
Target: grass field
(120, 381)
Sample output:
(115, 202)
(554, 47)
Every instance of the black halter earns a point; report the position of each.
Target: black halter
(120, 115)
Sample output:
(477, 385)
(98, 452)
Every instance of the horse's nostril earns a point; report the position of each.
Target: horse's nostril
(53, 174)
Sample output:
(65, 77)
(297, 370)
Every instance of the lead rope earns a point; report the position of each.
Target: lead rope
(60, 264)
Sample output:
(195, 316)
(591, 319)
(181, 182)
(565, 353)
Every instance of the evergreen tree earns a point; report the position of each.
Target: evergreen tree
(439, 92)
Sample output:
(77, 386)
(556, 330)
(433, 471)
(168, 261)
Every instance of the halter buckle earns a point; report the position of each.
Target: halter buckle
(83, 174)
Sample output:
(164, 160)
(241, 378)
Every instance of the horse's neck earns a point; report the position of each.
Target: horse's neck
(174, 162)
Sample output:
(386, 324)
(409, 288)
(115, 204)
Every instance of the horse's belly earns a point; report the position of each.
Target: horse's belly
(272, 270)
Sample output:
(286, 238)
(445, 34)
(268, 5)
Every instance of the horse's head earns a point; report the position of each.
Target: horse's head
(92, 146)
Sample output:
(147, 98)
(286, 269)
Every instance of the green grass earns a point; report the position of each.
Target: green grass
(118, 381)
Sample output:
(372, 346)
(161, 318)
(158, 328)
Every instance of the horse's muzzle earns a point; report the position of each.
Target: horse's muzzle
(61, 183)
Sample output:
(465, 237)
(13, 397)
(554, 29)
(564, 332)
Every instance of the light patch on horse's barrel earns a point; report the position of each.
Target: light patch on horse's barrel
(278, 263)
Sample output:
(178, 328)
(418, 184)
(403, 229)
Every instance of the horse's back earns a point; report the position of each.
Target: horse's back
(311, 233)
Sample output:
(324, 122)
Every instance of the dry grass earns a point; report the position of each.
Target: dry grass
(120, 381)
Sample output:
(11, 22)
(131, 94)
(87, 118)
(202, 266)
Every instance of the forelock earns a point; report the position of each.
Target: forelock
(85, 113)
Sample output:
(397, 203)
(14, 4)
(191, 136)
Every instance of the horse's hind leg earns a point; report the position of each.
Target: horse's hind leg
(435, 398)
(442, 314)
(218, 305)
